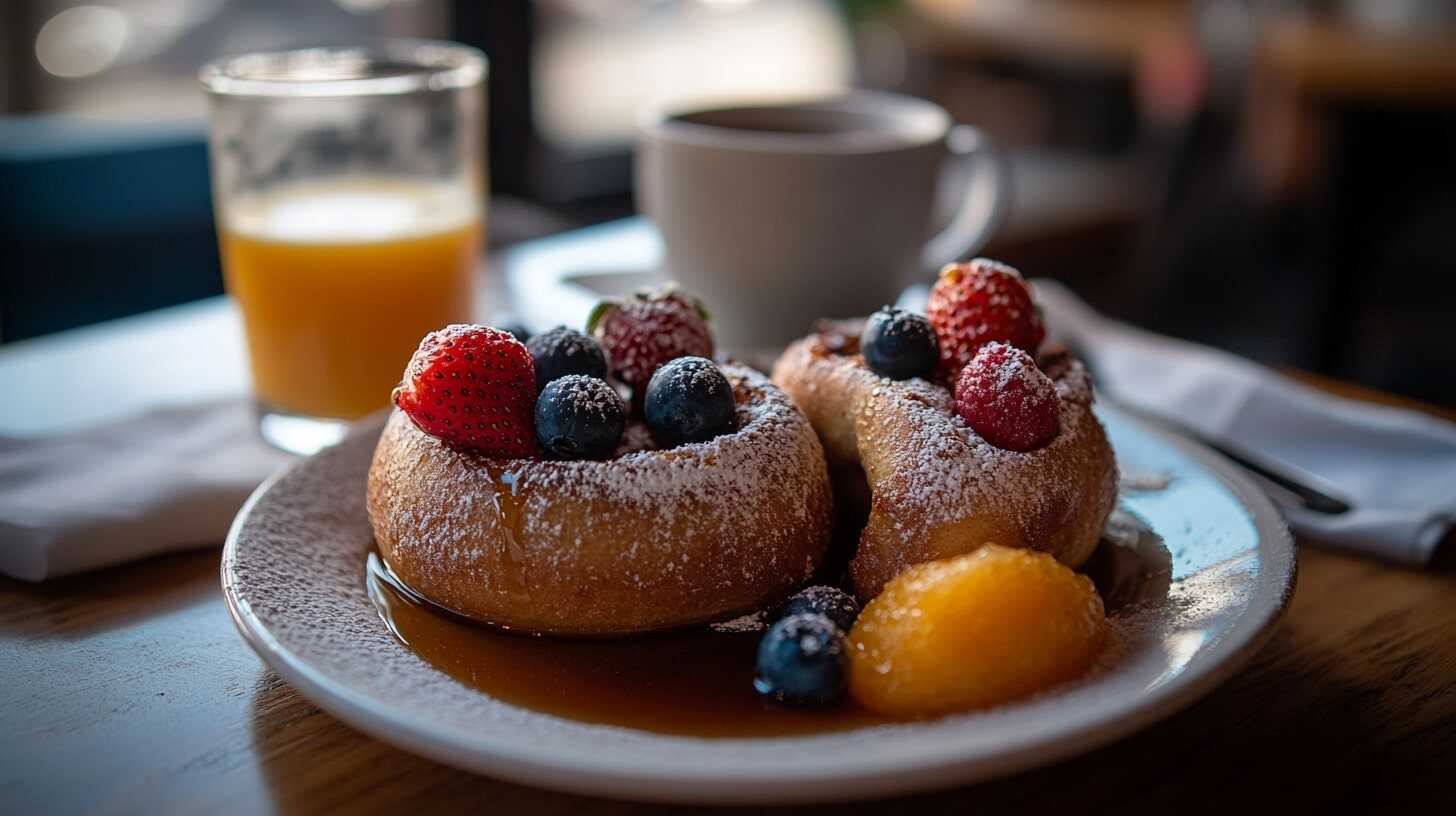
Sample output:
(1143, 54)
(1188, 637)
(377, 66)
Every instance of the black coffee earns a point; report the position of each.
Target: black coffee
(788, 120)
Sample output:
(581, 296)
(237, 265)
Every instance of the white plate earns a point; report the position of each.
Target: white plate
(293, 572)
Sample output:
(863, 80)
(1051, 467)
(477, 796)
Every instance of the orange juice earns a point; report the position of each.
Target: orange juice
(337, 282)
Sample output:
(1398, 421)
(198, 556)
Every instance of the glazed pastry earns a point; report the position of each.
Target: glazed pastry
(937, 487)
(646, 540)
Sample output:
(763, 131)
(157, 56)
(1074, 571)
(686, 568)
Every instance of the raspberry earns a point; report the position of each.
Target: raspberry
(474, 388)
(977, 302)
(642, 333)
(1006, 399)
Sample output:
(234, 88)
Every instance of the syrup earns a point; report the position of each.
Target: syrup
(508, 514)
(697, 683)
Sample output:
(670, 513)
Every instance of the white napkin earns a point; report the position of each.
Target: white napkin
(1397, 467)
(167, 480)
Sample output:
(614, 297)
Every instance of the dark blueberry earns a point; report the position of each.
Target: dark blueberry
(899, 344)
(688, 400)
(579, 417)
(563, 351)
(507, 322)
(831, 602)
(802, 659)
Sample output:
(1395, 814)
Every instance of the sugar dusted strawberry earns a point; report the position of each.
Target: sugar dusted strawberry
(977, 302)
(1006, 399)
(473, 387)
(649, 329)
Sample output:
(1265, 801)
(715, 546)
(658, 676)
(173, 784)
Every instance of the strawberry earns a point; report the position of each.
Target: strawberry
(649, 329)
(474, 388)
(977, 302)
(1006, 399)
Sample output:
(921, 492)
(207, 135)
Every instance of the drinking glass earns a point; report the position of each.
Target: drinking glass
(349, 194)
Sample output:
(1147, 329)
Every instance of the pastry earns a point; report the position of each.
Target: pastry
(938, 488)
(488, 500)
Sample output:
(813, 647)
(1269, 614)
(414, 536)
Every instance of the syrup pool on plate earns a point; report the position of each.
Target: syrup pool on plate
(697, 683)
(337, 281)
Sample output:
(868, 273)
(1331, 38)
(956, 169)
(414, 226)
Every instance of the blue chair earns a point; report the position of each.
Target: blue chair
(101, 220)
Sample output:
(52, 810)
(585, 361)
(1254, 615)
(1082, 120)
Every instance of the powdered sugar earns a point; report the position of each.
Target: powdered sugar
(950, 460)
(740, 510)
(745, 624)
(1007, 399)
(938, 487)
(588, 396)
(1019, 368)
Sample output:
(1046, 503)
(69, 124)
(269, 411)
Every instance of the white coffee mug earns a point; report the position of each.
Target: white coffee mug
(780, 213)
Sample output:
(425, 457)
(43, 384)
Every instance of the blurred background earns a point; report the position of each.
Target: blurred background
(1277, 178)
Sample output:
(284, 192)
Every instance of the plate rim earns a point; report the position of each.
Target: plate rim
(846, 780)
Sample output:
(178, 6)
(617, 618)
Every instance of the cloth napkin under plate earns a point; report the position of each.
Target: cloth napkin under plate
(1396, 467)
(170, 479)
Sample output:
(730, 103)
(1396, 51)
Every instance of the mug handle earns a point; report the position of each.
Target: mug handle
(984, 206)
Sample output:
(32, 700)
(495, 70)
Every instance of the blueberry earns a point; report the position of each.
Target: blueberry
(563, 351)
(831, 602)
(579, 417)
(802, 659)
(899, 344)
(507, 322)
(688, 400)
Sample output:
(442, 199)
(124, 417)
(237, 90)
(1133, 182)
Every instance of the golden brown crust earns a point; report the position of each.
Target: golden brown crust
(648, 541)
(937, 488)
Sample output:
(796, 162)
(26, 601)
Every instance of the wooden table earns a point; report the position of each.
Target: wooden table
(128, 690)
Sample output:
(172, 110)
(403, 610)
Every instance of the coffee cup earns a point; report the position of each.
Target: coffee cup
(776, 214)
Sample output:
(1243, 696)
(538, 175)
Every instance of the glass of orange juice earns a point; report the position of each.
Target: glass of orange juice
(349, 193)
